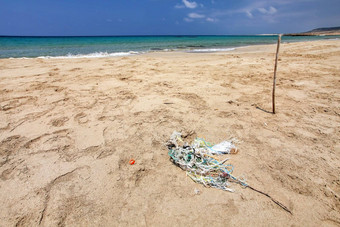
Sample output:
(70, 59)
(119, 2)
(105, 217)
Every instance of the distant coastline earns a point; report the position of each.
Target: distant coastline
(318, 32)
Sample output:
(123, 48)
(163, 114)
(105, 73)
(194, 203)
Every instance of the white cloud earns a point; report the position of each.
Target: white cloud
(209, 19)
(196, 15)
(271, 10)
(249, 14)
(192, 16)
(188, 4)
(254, 8)
(262, 10)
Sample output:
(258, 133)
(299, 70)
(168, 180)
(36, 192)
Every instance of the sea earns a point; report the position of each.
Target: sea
(111, 46)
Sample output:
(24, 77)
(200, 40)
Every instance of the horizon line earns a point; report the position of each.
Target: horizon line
(61, 36)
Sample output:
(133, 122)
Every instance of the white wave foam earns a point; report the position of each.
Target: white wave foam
(24, 58)
(211, 50)
(93, 55)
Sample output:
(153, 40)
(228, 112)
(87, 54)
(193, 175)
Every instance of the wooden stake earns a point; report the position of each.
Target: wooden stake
(275, 68)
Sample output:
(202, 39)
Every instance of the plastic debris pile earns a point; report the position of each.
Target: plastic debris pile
(200, 163)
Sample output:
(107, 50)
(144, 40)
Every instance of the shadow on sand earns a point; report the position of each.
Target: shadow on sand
(259, 108)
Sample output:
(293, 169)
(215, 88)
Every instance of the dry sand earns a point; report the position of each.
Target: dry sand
(70, 126)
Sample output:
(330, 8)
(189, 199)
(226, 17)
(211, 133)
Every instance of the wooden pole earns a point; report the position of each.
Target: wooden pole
(275, 68)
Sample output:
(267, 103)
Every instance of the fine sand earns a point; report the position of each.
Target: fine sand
(70, 126)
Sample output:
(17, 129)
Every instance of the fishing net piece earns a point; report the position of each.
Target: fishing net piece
(200, 163)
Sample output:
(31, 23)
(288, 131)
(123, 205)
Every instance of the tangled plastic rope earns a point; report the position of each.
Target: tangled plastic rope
(202, 167)
(200, 164)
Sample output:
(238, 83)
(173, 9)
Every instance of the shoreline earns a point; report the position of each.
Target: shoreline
(188, 50)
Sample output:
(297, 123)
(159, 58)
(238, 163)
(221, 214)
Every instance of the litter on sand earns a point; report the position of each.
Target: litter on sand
(201, 164)
(200, 161)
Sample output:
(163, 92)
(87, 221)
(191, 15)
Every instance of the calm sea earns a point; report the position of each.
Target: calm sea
(74, 47)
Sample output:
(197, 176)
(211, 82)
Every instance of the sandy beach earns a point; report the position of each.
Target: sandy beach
(70, 126)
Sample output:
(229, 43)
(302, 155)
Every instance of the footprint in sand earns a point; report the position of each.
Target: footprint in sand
(58, 122)
(193, 99)
(74, 69)
(81, 118)
(8, 146)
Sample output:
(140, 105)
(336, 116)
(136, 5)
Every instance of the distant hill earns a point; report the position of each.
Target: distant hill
(319, 31)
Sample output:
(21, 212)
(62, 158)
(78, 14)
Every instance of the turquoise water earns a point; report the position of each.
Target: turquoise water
(18, 47)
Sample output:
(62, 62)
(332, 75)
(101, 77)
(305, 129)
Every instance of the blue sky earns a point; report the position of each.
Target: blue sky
(165, 17)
